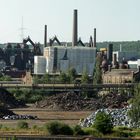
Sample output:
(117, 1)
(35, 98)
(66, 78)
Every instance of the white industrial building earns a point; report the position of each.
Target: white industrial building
(134, 64)
(39, 65)
(61, 59)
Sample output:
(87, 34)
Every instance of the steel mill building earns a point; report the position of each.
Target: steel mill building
(60, 58)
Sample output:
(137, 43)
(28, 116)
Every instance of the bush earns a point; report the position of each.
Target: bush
(56, 128)
(22, 125)
(93, 132)
(119, 133)
(122, 128)
(14, 138)
(1, 126)
(35, 127)
(103, 123)
(78, 130)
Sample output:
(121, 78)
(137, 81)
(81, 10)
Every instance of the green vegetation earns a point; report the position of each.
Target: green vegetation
(72, 74)
(85, 78)
(134, 112)
(45, 79)
(68, 77)
(97, 75)
(126, 45)
(22, 125)
(56, 128)
(28, 95)
(103, 123)
(5, 78)
(14, 138)
(64, 78)
(79, 131)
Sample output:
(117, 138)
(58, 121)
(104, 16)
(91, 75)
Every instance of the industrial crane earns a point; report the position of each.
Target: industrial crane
(36, 50)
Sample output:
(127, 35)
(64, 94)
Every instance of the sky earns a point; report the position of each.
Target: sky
(114, 20)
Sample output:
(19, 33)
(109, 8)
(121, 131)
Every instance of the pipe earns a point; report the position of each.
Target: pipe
(75, 29)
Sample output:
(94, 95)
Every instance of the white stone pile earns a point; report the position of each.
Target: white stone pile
(119, 117)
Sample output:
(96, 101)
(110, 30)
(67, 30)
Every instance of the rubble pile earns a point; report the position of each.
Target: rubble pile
(7, 100)
(4, 112)
(119, 117)
(75, 101)
(67, 101)
(113, 100)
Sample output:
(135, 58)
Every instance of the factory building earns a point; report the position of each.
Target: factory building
(61, 58)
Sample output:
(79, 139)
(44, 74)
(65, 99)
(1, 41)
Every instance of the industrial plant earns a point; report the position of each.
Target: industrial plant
(24, 60)
(60, 57)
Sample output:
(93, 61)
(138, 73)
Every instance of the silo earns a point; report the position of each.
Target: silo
(39, 65)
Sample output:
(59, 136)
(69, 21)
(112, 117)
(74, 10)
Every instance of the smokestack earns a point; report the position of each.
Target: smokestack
(75, 29)
(109, 52)
(114, 59)
(95, 37)
(45, 36)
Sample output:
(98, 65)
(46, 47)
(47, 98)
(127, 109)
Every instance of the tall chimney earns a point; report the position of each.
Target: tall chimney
(45, 36)
(75, 29)
(95, 37)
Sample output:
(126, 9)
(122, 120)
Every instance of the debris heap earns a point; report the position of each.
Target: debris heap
(75, 101)
(5, 112)
(119, 117)
(114, 100)
(7, 100)
(67, 101)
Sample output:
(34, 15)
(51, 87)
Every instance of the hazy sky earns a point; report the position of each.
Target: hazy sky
(115, 20)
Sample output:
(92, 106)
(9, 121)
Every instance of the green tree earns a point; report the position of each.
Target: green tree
(45, 79)
(72, 75)
(97, 75)
(103, 122)
(85, 78)
(63, 78)
(134, 112)
(36, 80)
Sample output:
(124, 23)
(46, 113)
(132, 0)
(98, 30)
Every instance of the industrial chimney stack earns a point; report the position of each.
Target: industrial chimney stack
(95, 37)
(75, 29)
(45, 36)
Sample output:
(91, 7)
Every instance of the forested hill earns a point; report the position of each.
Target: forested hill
(126, 45)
